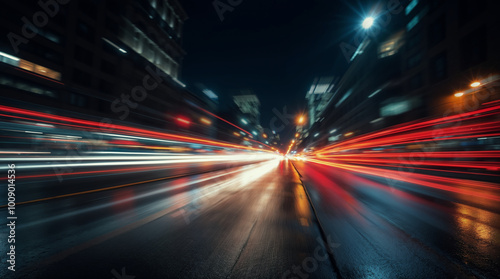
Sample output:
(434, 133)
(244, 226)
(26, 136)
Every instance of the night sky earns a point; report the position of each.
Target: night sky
(272, 47)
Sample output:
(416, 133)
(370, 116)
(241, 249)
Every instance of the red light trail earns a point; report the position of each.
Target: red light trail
(92, 125)
(414, 152)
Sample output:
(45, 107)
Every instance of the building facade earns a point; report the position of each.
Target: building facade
(115, 59)
(422, 65)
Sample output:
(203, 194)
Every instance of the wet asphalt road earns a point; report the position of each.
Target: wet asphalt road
(390, 229)
(252, 221)
(256, 221)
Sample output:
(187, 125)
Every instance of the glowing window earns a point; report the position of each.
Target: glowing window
(391, 46)
(47, 72)
(416, 19)
(411, 6)
(9, 59)
(32, 67)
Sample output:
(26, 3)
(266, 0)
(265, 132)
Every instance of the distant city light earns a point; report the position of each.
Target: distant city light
(301, 119)
(114, 45)
(459, 94)
(475, 84)
(376, 120)
(183, 121)
(349, 134)
(205, 121)
(179, 82)
(375, 93)
(316, 135)
(368, 22)
(9, 56)
(254, 133)
(333, 131)
(244, 121)
(210, 94)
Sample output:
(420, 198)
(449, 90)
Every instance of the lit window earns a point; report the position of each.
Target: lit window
(411, 6)
(47, 72)
(26, 65)
(395, 108)
(416, 19)
(9, 59)
(387, 49)
(412, 23)
(391, 46)
(43, 71)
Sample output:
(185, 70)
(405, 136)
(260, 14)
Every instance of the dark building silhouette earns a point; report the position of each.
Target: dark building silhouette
(422, 64)
(116, 59)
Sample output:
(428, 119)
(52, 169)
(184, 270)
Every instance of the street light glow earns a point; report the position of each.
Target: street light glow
(244, 121)
(368, 22)
(301, 119)
(459, 94)
(475, 84)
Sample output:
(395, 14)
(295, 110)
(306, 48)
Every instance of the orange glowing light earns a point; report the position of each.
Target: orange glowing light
(301, 119)
(475, 84)
(205, 121)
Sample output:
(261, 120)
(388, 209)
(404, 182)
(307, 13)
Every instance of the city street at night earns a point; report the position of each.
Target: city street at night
(152, 139)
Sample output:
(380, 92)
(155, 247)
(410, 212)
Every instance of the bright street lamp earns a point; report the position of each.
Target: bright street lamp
(459, 94)
(368, 22)
(301, 119)
(475, 84)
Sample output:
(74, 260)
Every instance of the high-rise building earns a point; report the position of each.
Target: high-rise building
(318, 96)
(435, 58)
(116, 59)
(249, 105)
(450, 45)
